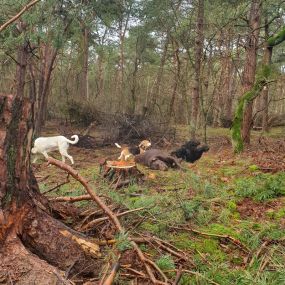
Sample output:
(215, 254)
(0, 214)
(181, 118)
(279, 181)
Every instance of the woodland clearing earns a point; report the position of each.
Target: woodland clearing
(225, 214)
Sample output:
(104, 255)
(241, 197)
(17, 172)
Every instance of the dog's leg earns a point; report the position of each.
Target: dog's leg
(35, 158)
(45, 154)
(64, 154)
(121, 156)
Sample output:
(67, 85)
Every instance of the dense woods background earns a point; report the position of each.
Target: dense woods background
(181, 62)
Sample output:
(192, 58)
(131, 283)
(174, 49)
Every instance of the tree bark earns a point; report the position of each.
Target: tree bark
(250, 65)
(154, 94)
(48, 58)
(199, 43)
(32, 243)
(264, 94)
(176, 63)
(85, 55)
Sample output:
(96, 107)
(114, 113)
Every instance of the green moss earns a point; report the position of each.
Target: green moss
(276, 39)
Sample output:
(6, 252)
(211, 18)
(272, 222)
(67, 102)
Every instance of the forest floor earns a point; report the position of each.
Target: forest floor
(225, 213)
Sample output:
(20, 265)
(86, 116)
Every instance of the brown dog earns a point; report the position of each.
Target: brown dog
(128, 153)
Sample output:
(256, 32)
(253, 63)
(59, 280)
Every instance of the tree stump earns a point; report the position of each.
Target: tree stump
(120, 173)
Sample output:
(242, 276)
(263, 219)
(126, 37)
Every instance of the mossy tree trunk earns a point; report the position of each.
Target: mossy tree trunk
(248, 97)
(250, 66)
(260, 84)
(264, 93)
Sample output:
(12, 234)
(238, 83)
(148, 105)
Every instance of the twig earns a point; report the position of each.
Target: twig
(200, 275)
(99, 220)
(136, 272)
(57, 186)
(157, 269)
(17, 16)
(71, 199)
(255, 257)
(178, 276)
(42, 178)
(227, 237)
(112, 275)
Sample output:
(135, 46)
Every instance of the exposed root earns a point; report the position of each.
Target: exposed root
(18, 265)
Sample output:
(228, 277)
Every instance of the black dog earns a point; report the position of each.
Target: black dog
(190, 151)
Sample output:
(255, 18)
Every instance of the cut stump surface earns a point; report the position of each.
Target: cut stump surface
(120, 173)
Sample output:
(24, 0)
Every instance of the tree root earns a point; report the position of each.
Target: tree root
(19, 266)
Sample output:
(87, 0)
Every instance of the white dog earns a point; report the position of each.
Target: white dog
(44, 145)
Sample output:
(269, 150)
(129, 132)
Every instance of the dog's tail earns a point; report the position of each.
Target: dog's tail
(76, 139)
(117, 145)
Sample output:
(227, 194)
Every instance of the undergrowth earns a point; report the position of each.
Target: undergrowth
(205, 199)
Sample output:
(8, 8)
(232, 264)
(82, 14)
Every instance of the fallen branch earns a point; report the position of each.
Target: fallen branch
(112, 275)
(57, 186)
(17, 16)
(99, 220)
(256, 256)
(71, 199)
(89, 190)
(233, 240)
(107, 210)
(157, 269)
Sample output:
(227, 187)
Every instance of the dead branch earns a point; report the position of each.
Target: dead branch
(158, 270)
(99, 220)
(84, 182)
(104, 274)
(112, 275)
(57, 186)
(107, 210)
(255, 257)
(201, 276)
(17, 16)
(140, 274)
(71, 199)
(178, 276)
(233, 240)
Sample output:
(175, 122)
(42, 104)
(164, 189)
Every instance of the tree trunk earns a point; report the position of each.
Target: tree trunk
(250, 65)
(154, 94)
(85, 54)
(48, 59)
(264, 94)
(176, 63)
(32, 243)
(133, 100)
(199, 43)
